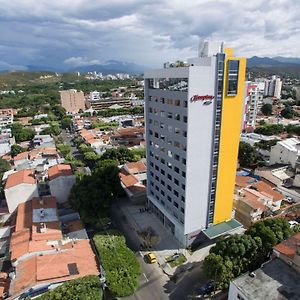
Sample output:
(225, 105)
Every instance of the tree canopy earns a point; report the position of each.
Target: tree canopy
(21, 133)
(93, 195)
(266, 109)
(85, 288)
(121, 155)
(16, 149)
(237, 254)
(247, 155)
(288, 112)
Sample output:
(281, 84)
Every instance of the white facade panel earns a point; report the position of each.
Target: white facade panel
(199, 147)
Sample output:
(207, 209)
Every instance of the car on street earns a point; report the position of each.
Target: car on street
(207, 288)
(151, 258)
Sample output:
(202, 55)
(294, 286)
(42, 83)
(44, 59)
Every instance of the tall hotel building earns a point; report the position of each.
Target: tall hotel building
(193, 119)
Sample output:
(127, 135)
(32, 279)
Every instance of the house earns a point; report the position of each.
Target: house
(133, 178)
(254, 199)
(20, 187)
(61, 180)
(45, 250)
(130, 136)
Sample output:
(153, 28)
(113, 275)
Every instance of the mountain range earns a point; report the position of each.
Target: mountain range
(277, 65)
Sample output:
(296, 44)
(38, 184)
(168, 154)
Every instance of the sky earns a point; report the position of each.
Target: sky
(72, 33)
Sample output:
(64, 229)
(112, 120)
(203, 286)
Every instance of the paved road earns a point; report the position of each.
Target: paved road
(154, 284)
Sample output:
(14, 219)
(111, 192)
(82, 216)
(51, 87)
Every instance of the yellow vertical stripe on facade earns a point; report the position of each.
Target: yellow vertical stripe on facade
(229, 142)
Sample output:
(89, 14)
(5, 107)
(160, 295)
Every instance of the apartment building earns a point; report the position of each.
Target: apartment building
(252, 98)
(72, 100)
(193, 118)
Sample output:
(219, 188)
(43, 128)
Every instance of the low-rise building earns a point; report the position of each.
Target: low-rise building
(285, 152)
(130, 136)
(61, 180)
(133, 177)
(20, 187)
(45, 249)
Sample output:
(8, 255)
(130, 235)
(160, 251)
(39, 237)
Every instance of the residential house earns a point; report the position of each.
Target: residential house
(46, 250)
(20, 187)
(61, 180)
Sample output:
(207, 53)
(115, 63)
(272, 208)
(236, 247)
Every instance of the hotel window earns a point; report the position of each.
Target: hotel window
(175, 193)
(150, 121)
(175, 204)
(151, 174)
(150, 132)
(156, 134)
(177, 102)
(176, 169)
(170, 154)
(162, 100)
(162, 114)
(176, 144)
(176, 181)
(169, 188)
(162, 125)
(156, 99)
(170, 115)
(157, 188)
(162, 202)
(156, 168)
(150, 98)
(184, 161)
(170, 128)
(185, 103)
(182, 210)
(151, 164)
(177, 130)
(169, 165)
(183, 186)
(169, 101)
(162, 160)
(182, 198)
(162, 182)
(183, 174)
(232, 77)
(150, 110)
(177, 117)
(177, 157)
(157, 178)
(151, 183)
(185, 119)
(162, 172)
(162, 192)
(156, 157)
(169, 177)
(162, 137)
(185, 134)
(169, 198)
(156, 123)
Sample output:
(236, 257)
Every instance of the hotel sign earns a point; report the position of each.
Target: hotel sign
(207, 99)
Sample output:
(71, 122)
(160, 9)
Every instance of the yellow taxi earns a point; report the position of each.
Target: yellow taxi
(151, 258)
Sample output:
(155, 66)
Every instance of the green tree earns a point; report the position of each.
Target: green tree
(64, 149)
(85, 288)
(266, 109)
(121, 155)
(247, 155)
(16, 149)
(53, 130)
(270, 129)
(66, 122)
(21, 133)
(287, 112)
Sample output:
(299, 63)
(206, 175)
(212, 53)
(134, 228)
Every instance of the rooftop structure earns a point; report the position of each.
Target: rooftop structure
(40, 252)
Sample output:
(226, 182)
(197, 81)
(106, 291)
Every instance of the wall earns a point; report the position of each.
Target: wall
(229, 144)
(234, 292)
(199, 147)
(60, 187)
(19, 194)
(282, 155)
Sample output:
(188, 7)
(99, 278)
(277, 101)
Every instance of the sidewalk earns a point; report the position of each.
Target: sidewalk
(167, 245)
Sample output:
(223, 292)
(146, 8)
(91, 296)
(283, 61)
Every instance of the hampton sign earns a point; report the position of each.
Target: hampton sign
(196, 98)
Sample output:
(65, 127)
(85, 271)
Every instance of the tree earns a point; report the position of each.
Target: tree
(16, 149)
(66, 122)
(288, 112)
(85, 288)
(266, 109)
(265, 145)
(64, 149)
(52, 130)
(59, 111)
(247, 155)
(21, 133)
(93, 195)
(270, 129)
(121, 155)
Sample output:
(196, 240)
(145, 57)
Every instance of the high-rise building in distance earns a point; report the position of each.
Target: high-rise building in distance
(193, 116)
(72, 100)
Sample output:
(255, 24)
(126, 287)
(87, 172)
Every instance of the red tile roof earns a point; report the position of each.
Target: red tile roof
(136, 167)
(289, 246)
(127, 179)
(59, 170)
(23, 176)
(21, 156)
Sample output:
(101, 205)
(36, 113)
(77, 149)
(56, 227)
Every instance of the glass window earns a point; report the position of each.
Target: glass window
(232, 77)
(177, 102)
(185, 119)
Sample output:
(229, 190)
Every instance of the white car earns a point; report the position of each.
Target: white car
(293, 223)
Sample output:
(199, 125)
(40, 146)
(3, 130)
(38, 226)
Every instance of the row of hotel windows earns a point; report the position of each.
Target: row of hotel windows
(171, 155)
(169, 101)
(169, 115)
(169, 176)
(163, 149)
(175, 204)
(170, 129)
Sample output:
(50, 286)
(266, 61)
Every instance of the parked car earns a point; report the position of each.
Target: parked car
(207, 288)
(293, 223)
(151, 258)
(289, 200)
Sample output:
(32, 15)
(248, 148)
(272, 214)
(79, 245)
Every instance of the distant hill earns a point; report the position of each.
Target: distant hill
(112, 67)
(269, 66)
(291, 60)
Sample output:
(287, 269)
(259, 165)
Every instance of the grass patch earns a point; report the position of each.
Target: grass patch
(176, 262)
(121, 267)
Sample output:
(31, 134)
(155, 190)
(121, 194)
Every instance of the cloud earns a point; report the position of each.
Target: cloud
(80, 32)
(81, 61)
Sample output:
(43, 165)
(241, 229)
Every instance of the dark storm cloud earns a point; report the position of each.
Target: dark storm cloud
(78, 32)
